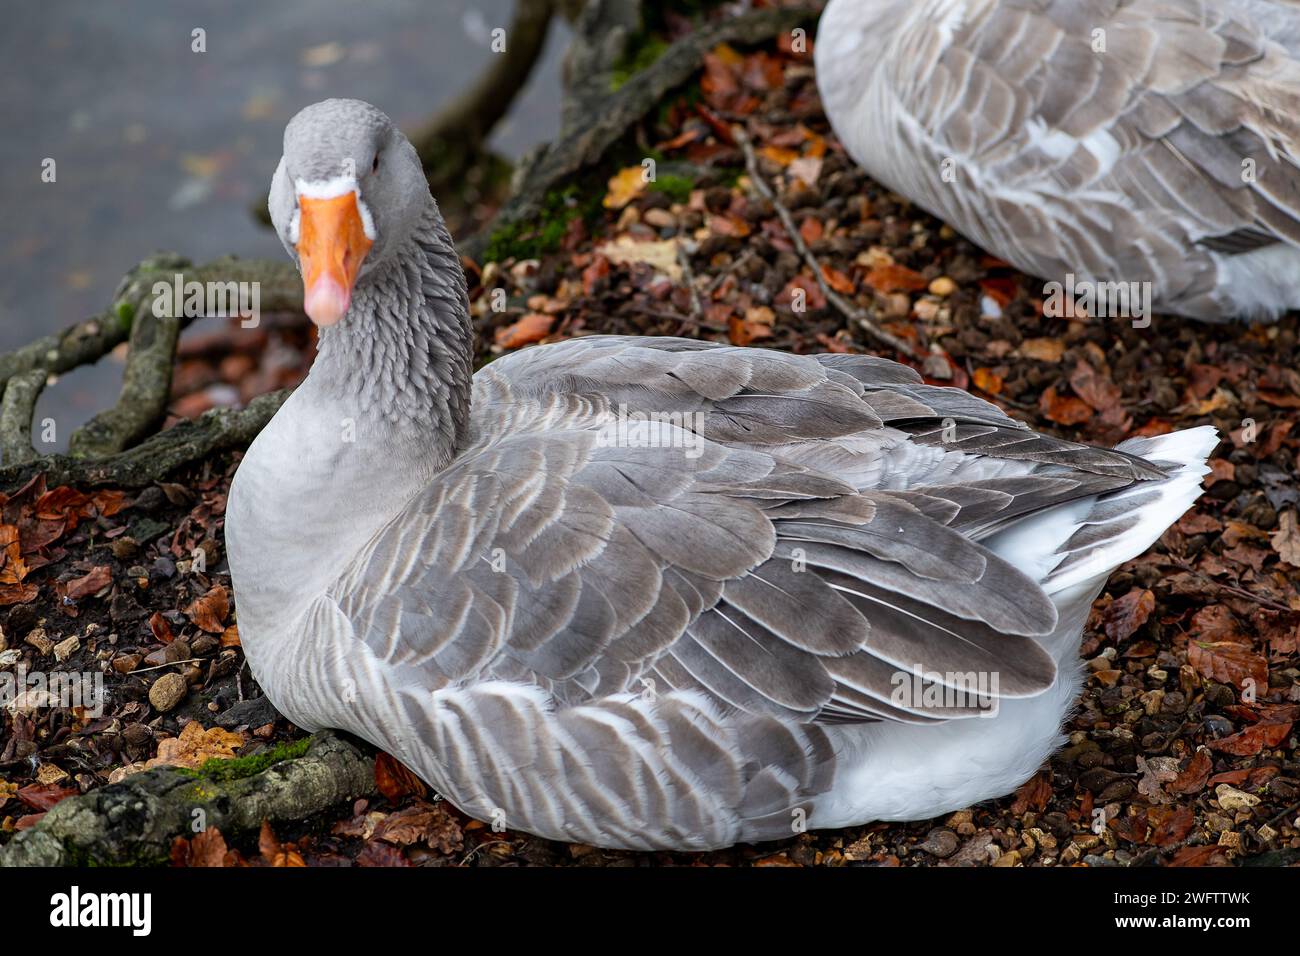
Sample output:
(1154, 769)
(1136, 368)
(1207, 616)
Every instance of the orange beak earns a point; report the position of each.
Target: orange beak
(332, 243)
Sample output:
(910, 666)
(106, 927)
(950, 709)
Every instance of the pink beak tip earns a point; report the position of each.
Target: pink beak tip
(326, 302)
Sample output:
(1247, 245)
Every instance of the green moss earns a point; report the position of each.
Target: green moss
(676, 188)
(545, 233)
(238, 768)
(643, 50)
(125, 314)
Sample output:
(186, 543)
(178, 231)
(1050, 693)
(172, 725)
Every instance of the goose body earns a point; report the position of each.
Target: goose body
(1133, 141)
(653, 592)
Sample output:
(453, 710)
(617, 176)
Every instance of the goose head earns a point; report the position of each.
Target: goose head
(348, 191)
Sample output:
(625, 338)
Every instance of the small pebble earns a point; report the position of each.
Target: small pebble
(943, 287)
(940, 842)
(1230, 798)
(66, 648)
(167, 691)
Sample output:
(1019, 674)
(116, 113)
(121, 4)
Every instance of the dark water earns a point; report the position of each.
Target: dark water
(160, 147)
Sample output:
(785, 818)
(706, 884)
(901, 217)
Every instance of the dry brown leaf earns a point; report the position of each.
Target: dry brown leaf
(1042, 350)
(987, 380)
(891, 277)
(1193, 777)
(1228, 662)
(1064, 409)
(94, 580)
(1126, 614)
(1253, 739)
(209, 611)
(394, 780)
(1286, 539)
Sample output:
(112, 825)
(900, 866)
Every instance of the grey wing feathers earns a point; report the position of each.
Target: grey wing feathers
(551, 555)
(1154, 131)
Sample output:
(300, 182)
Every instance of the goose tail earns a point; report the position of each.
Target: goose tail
(1077, 546)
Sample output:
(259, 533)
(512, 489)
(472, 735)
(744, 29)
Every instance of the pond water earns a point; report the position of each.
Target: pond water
(158, 147)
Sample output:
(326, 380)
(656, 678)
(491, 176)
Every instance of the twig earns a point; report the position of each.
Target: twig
(846, 308)
(688, 275)
(158, 667)
(16, 409)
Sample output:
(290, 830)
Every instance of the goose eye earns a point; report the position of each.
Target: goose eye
(374, 166)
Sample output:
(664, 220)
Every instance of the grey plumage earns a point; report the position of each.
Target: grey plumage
(1135, 141)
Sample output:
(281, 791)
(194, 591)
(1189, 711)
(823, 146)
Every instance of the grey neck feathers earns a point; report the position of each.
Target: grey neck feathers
(403, 353)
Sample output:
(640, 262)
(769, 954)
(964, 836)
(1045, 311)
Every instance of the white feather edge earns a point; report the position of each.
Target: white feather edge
(332, 189)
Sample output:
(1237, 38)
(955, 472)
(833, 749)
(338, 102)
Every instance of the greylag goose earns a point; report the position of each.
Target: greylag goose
(653, 592)
(1134, 141)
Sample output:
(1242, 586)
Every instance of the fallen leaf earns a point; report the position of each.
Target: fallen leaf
(659, 254)
(1033, 794)
(394, 780)
(987, 380)
(1192, 778)
(44, 796)
(94, 580)
(1286, 539)
(624, 186)
(1253, 739)
(195, 746)
(533, 327)
(1228, 662)
(1042, 350)
(891, 277)
(1064, 409)
(1126, 614)
(209, 611)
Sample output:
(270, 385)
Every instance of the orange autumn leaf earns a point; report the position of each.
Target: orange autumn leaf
(624, 186)
(838, 281)
(780, 156)
(1064, 409)
(891, 277)
(230, 636)
(1253, 739)
(1042, 350)
(195, 747)
(209, 611)
(987, 380)
(533, 327)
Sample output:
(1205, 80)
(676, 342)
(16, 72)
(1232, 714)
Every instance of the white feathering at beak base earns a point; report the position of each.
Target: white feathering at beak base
(332, 189)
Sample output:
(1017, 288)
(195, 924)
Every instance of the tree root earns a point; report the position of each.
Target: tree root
(16, 410)
(215, 430)
(146, 382)
(136, 821)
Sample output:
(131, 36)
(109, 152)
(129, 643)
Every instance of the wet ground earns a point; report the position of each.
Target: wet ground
(157, 146)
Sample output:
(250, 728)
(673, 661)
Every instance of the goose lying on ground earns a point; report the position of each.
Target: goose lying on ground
(751, 616)
(1115, 140)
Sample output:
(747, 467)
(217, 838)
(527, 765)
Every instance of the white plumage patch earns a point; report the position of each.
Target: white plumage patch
(332, 189)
